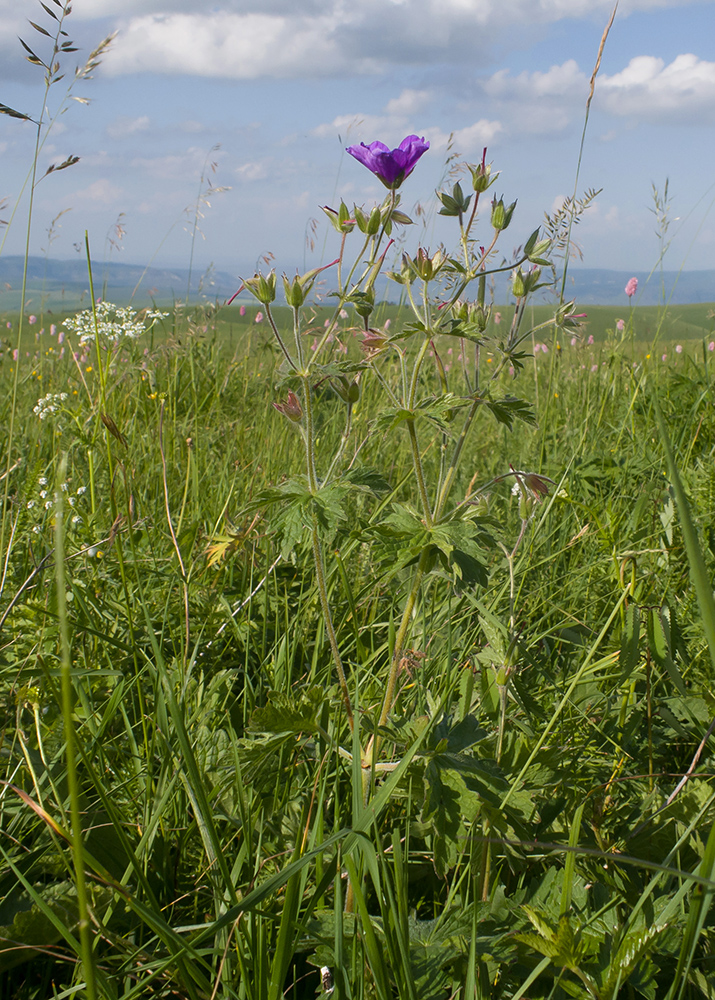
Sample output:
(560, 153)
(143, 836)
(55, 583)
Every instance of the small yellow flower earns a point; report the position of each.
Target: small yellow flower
(88, 368)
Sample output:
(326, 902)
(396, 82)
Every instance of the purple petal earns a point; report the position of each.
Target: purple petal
(390, 166)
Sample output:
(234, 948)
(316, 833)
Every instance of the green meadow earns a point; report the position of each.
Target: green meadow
(538, 820)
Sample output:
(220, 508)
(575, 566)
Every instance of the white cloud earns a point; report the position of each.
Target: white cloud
(472, 138)
(408, 103)
(254, 170)
(123, 127)
(101, 192)
(539, 102)
(174, 166)
(230, 46)
(683, 91)
(248, 39)
(555, 82)
(392, 124)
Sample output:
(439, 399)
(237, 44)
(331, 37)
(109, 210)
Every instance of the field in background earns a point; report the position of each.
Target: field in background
(665, 324)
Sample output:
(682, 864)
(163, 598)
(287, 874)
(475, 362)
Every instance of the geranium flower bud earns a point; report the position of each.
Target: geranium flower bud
(264, 288)
(291, 408)
(373, 342)
(501, 215)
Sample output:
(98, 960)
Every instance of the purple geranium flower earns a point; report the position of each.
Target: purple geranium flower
(391, 166)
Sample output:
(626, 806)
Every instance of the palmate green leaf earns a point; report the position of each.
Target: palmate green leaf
(27, 930)
(630, 642)
(631, 952)
(510, 408)
(464, 330)
(448, 802)
(404, 522)
(296, 508)
(438, 410)
(368, 479)
(289, 713)
(658, 642)
(458, 737)
(560, 944)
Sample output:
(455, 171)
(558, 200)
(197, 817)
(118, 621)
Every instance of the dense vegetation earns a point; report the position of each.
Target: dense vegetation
(526, 832)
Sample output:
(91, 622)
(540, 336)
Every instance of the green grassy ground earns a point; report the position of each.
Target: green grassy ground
(527, 831)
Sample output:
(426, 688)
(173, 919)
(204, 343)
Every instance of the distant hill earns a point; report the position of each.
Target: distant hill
(67, 281)
(57, 283)
(594, 286)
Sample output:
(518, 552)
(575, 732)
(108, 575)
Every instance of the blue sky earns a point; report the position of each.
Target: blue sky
(264, 94)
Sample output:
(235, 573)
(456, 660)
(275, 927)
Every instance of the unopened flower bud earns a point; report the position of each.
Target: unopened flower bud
(501, 214)
(482, 175)
(263, 287)
(295, 295)
(349, 391)
(340, 220)
(364, 302)
(373, 342)
(427, 267)
(291, 408)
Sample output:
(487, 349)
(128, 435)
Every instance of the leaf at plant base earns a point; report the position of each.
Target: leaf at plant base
(289, 713)
(448, 803)
(661, 650)
(28, 925)
(368, 479)
(630, 642)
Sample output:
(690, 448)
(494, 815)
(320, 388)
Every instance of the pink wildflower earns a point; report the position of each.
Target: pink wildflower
(9, 325)
(678, 348)
(544, 349)
(664, 357)
(259, 317)
(32, 320)
(387, 324)
(631, 287)
(711, 345)
(537, 348)
(574, 341)
(242, 311)
(343, 314)
(15, 355)
(594, 368)
(61, 337)
(53, 329)
(620, 325)
(497, 318)
(590, 339)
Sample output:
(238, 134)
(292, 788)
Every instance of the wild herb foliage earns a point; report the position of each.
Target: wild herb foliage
(529, 832)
